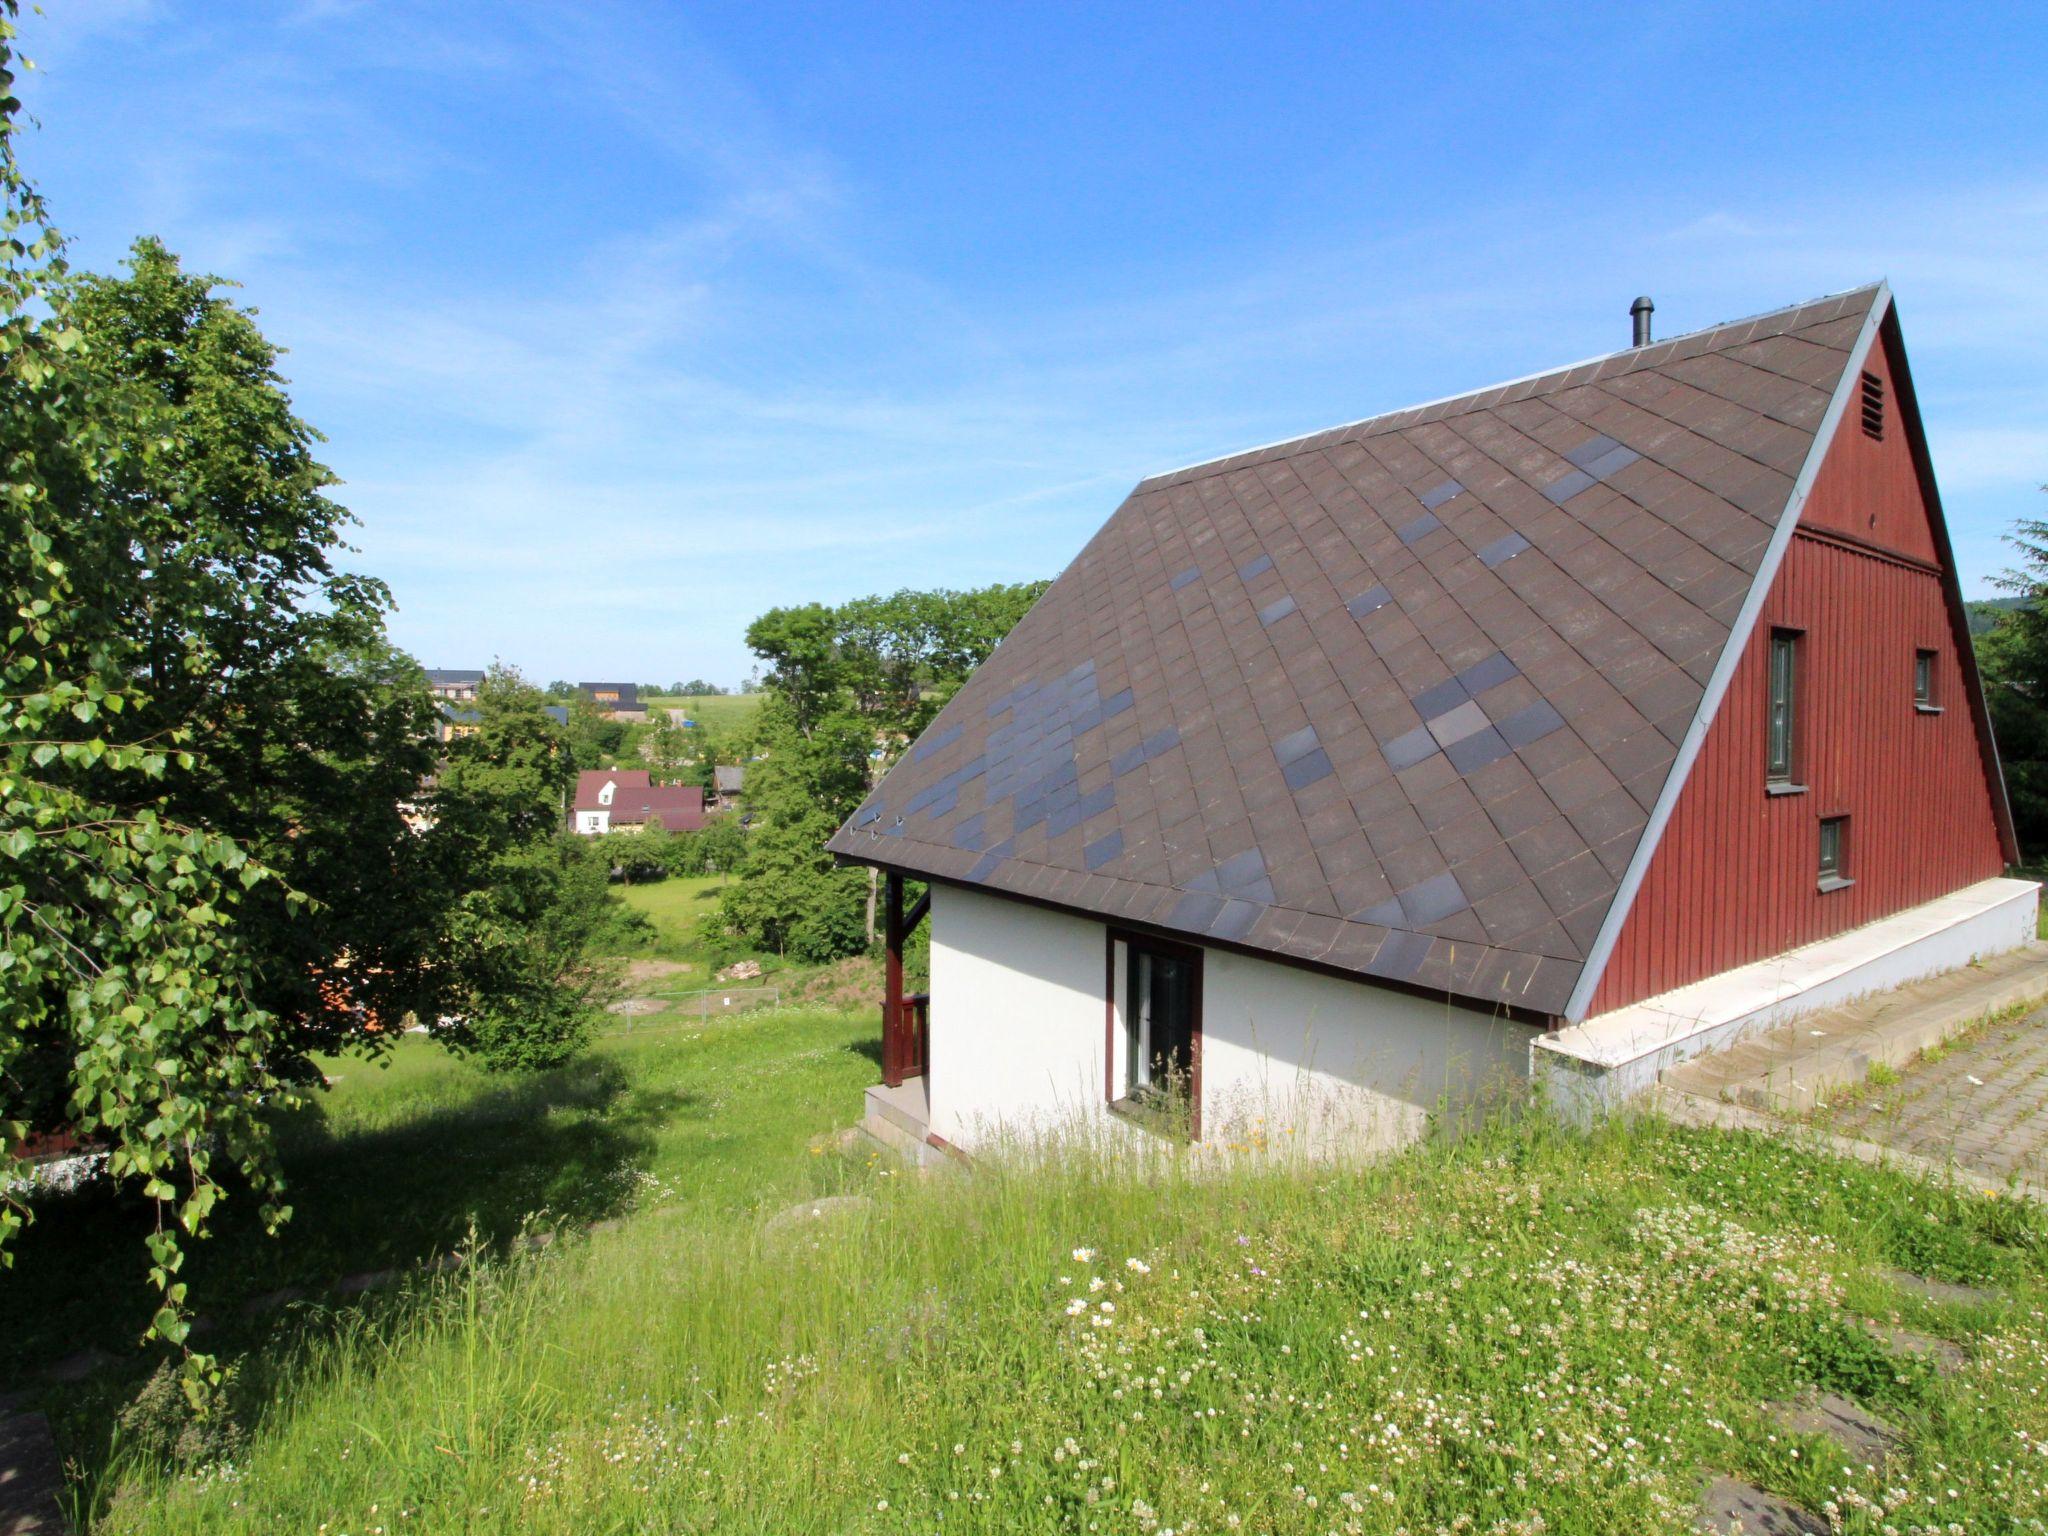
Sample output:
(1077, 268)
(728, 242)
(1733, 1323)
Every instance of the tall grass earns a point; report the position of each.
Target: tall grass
(1528, 1329)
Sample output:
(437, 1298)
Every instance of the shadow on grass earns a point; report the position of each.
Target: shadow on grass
(363, 1199)
(869, 1046)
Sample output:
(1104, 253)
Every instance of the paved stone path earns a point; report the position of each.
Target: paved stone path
(1982, 1103)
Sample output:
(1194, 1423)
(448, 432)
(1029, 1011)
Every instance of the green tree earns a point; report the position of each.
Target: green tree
(214, 549)
(2013, 657)
(129, 999)
(528, 902)
(849, 687)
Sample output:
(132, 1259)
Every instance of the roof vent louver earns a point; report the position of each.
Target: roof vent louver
(1873, 407)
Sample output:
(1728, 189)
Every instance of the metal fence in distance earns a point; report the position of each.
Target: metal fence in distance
(694, 1007)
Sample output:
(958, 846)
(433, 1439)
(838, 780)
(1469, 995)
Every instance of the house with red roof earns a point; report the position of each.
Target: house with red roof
(1567, 728)
(626, 800)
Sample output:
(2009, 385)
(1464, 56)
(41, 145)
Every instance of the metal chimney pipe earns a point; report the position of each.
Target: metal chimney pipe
(1640, 312)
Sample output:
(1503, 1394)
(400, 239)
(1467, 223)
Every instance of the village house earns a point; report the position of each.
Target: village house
(729, 784)
(1567, 728)
(615, 701)
(625, 800)
(456, 686)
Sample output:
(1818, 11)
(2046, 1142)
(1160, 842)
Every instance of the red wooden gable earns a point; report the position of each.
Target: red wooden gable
(1867, 580)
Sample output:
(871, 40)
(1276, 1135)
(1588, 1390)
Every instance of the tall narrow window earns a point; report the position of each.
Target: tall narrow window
(1834, 852)
(1923, 682)
(1162, 1019)
(1781, 748)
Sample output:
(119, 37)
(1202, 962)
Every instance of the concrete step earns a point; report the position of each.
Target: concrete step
(902, 1106)
(1793, 1069)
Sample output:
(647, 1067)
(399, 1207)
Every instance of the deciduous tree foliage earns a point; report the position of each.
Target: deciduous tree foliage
(848, 687)
(123, 973)
(2014, 660)
(214, 560)
(520, 984)
(207, 747)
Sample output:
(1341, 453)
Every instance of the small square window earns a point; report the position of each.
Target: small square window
(1924, 676)
(1834, 853)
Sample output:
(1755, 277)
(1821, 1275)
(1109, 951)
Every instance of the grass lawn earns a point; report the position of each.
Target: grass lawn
(679, 907)
(1526, 1330)
(719, 712)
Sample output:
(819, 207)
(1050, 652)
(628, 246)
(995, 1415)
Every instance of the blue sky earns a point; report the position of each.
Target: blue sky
(627, 322)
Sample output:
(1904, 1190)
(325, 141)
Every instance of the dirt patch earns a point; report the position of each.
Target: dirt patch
(636, 1007)
(847, 986)
(638, 971)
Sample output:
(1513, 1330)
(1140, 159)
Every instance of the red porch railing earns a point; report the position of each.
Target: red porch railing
(906, 1021)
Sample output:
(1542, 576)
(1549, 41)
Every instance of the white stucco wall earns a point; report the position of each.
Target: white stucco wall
(1288, 1056)
(1294, 1055)
(1016, 1024)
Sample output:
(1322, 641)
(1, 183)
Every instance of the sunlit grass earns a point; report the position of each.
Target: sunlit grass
(1525, 1330)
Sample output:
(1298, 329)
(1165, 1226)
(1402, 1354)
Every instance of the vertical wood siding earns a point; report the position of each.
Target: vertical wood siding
(1735, 877)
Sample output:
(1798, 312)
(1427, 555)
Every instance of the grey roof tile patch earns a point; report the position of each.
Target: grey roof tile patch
(1583, 456)
(1502, 550)
(1490, 672)
(1441, 699)
(1161, 741)
(1474, 752)
(1192, 573)
(1253, 568)
(1568, 485)
(986, 864)
(1385, 914)
(1433, 900)
(1437, 495)
(1421, 528)
(927, 745)
(1195, 911)
(1295, 744)
(1304, 771)
(1103, 849)
(1273, 613)
(1399, 955)
(1235, 920)
(1369, 601)
(1454, 725)
(1532, 724)
(1613, 459)
(1406, 751)
(1240, 869)
(970, 834)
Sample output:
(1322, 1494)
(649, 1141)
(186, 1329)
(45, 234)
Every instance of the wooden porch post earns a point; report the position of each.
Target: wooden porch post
(892, 980)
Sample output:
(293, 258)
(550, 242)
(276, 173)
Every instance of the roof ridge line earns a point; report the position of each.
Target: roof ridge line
(1487, 389)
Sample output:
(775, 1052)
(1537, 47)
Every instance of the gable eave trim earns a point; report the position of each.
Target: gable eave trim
(1602, 949)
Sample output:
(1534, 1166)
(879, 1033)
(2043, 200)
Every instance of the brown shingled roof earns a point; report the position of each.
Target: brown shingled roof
(1396, 698)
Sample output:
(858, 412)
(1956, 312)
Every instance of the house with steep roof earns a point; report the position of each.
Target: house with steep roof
(1563, 729)
(626, 800)
(454, 684)
(615, 701)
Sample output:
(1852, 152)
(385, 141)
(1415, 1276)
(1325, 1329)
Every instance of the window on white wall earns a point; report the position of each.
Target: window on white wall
(1157, 1057)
